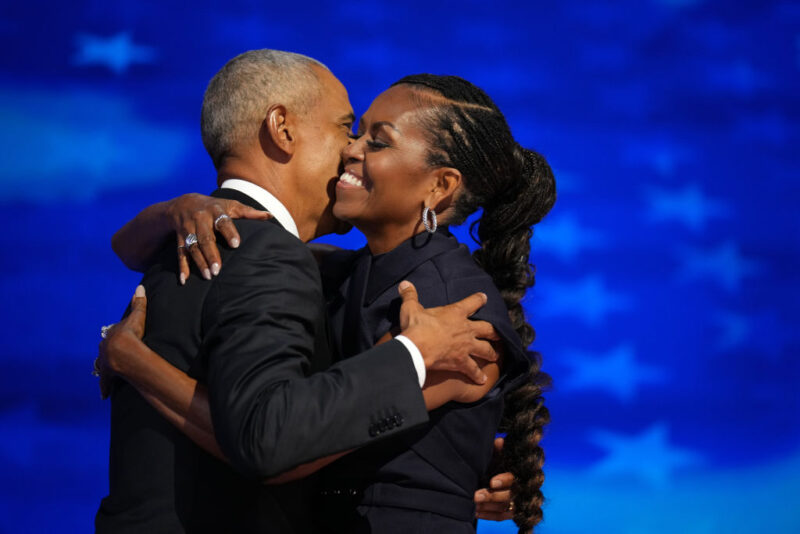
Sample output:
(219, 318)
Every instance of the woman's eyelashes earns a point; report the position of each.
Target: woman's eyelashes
(375, 144)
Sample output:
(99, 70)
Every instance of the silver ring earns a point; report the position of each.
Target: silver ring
(190, 240)
(220, 218)
(104, 330)
(96, 368)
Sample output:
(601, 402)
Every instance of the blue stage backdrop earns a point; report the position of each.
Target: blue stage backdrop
(667, 291)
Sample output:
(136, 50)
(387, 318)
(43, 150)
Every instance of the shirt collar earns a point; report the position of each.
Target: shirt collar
(266, 199)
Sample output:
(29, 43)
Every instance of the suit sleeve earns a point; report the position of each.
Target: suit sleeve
(259, 319)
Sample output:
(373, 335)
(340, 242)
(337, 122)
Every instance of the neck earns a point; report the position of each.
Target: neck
(383, 239)
(272, 177)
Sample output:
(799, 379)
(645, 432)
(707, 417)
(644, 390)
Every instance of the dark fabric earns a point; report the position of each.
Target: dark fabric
(425, 478)
(254, 334)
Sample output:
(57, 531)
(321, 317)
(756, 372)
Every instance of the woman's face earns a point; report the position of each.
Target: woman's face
(386, 181)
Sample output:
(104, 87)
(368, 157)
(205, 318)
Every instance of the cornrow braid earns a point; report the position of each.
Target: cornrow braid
(515, 188)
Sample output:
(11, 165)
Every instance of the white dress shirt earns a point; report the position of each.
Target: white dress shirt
(282, 215)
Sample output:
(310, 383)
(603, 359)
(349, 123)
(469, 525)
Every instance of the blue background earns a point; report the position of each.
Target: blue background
(667, 293)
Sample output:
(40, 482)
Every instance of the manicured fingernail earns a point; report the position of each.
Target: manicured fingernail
(485, 298)
(206, 274)
(139, 291)
(183, 279)
(405, 284)
(496, 483)
(215, 268)
(480, 497)
(235, 242)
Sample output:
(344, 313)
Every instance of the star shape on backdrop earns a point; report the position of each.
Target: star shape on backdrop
(688, 206)
(763, 332)
(615, 371)
(588, 299)
(117, 52)
(661, 156)
(647, 456)
(723, 264)
(565, 237)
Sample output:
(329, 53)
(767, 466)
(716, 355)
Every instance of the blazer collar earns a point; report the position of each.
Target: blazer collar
(390, 268)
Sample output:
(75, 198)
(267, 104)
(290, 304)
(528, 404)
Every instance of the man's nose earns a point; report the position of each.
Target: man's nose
(353, 150)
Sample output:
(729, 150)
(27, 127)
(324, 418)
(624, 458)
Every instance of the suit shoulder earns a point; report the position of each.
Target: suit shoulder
(268, 238)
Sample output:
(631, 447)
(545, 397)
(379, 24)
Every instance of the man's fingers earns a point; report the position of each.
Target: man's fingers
(408, 293)
(484, 330)
(502, 481)
(466, 367)
(483, 350)
(471, 304)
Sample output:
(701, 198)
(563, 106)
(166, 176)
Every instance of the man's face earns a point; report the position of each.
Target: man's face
(326, 131)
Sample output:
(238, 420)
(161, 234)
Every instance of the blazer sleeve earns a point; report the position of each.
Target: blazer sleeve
(260, 318)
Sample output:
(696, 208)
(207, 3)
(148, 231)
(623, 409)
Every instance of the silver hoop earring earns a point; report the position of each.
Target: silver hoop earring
(429, 226)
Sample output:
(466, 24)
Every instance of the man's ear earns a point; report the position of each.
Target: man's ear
(277, 134)
(447, 182)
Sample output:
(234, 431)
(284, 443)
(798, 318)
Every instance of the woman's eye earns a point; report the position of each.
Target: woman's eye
(376, 144)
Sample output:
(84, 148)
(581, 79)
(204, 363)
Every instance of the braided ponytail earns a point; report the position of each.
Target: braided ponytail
(516, 188)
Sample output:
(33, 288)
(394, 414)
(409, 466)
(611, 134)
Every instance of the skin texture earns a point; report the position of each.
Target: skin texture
(298, 159)
(389, 157)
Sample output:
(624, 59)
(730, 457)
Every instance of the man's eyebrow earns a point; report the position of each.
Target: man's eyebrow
(350, 117)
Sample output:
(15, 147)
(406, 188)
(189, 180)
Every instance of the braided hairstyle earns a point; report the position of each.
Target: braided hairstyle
(516, 188)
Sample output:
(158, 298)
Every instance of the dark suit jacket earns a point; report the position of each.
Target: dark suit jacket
(255, 334)
(424, 479)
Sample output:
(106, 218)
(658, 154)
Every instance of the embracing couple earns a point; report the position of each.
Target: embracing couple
(287, 387)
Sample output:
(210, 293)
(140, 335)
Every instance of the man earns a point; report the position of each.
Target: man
(274, 124)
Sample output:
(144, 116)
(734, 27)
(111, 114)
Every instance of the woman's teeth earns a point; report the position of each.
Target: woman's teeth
(348, 178)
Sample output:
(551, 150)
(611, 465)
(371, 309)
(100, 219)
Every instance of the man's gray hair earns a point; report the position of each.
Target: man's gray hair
(238, 96)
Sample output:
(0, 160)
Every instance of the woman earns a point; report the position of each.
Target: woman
(431, 150)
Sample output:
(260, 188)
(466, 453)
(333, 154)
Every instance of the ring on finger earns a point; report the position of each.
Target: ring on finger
(190, 240)
(220, 219)
(104, 330)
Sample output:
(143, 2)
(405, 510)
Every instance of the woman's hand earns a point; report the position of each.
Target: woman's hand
(201, 215)
(114, 348)
(494, 503)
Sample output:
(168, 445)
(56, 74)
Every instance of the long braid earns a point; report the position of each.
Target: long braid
(515, 187)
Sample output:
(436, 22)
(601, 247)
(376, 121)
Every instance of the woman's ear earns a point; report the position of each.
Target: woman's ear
(277, 134)
(447, 182)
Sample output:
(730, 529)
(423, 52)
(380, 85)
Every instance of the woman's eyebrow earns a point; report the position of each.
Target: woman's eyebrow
(385, 123)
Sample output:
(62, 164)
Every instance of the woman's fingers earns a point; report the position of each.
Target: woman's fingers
(136, 318)
(183, 262)
(502, 481)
